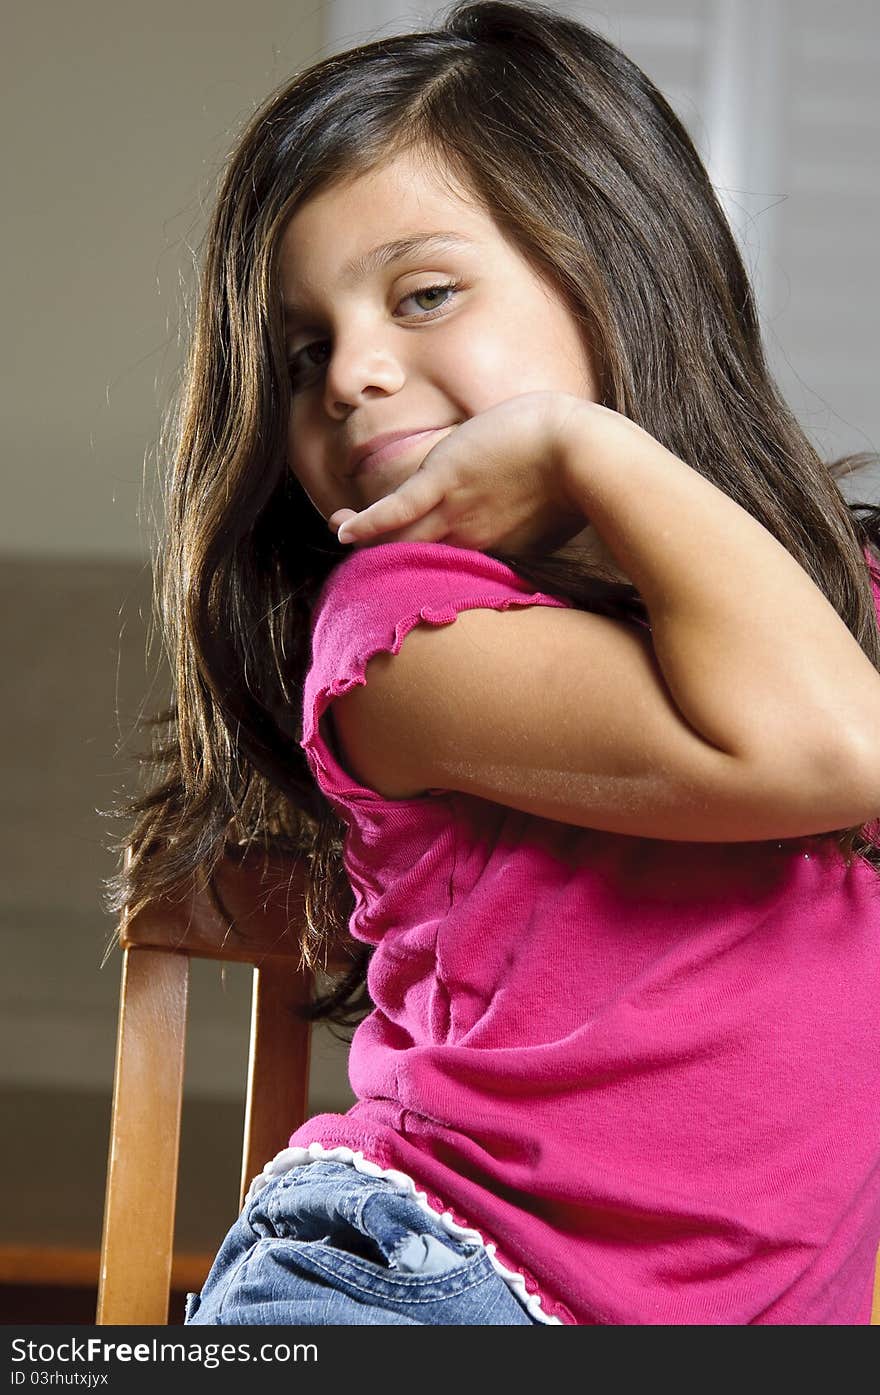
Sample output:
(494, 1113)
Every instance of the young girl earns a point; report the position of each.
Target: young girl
(572, 706)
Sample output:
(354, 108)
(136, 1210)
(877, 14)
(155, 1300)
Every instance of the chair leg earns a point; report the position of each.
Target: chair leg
(278, 1065)
(141, 1194)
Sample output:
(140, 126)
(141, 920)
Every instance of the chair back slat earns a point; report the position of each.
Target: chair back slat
(278, 1066)
(138, 1233)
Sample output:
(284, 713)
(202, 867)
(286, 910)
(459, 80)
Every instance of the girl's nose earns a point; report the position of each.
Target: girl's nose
(352, 370)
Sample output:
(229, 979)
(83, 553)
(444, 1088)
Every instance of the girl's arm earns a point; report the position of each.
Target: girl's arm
(747, 718)
(755, 656)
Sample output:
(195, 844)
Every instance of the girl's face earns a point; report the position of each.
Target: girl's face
(376, 346)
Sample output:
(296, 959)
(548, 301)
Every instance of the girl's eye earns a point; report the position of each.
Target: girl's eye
(432, 290)
(320, 345)
(296, 370)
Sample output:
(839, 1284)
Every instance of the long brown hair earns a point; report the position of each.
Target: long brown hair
(581, 161)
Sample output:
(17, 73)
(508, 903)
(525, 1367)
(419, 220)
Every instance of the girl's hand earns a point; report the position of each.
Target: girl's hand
(494, 481)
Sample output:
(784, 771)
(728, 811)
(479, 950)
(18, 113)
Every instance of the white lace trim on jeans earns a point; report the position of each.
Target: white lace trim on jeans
(316, 1152)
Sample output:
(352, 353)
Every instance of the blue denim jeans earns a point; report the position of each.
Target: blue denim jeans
(324, 1245)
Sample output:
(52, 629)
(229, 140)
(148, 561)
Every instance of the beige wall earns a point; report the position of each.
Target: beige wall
(116, 119)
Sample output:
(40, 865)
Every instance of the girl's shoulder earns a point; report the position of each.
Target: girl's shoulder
(367, 606)
(376, 595)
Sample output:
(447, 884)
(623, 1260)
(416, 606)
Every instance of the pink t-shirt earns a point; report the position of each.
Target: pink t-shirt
(645, 1073)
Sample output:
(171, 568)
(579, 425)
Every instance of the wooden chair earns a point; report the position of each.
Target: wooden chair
(264, 897)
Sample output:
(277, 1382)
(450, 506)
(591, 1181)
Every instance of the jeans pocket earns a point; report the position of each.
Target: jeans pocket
(362, 1230)
(413, 1251)
(422, 1252)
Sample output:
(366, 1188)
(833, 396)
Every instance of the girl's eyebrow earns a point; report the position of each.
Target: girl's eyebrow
(387, 253)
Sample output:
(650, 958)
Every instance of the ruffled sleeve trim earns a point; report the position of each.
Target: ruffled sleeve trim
(474, 580)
